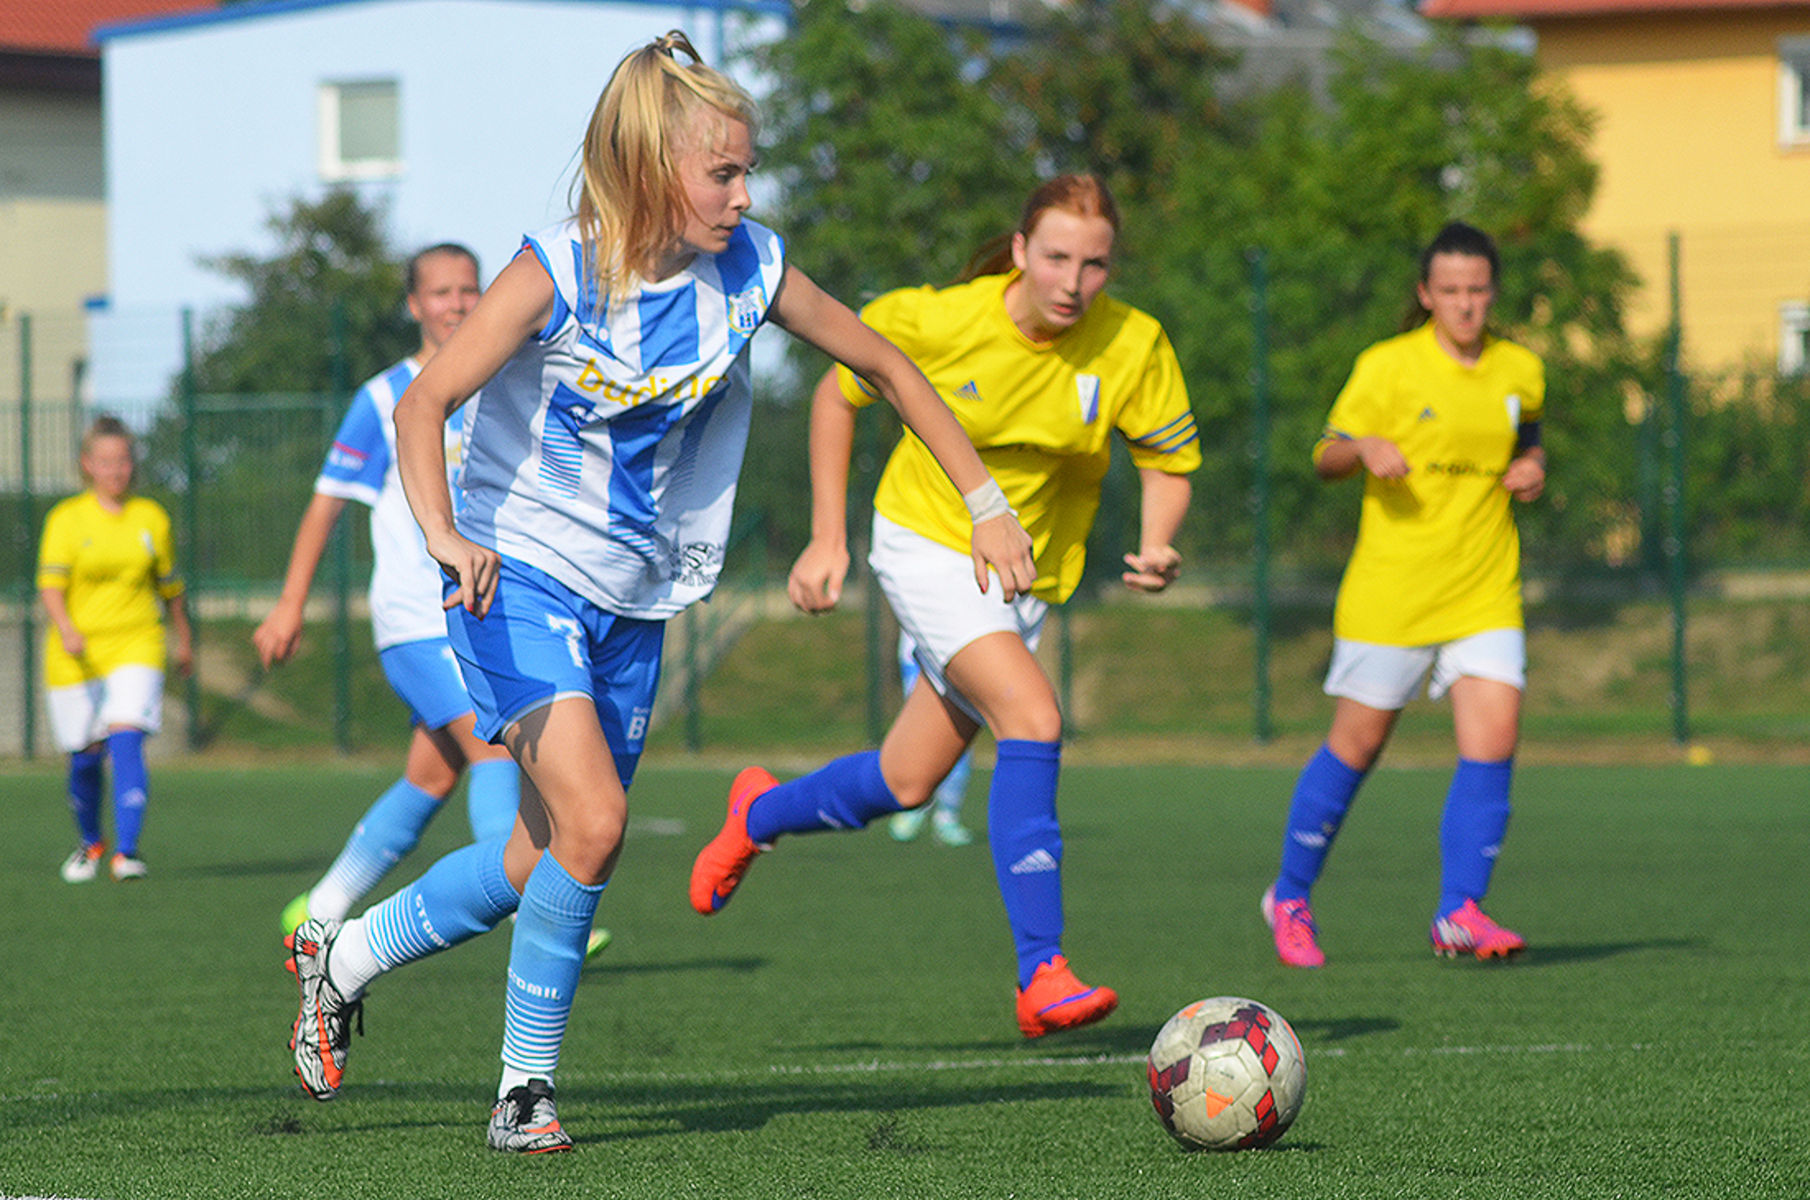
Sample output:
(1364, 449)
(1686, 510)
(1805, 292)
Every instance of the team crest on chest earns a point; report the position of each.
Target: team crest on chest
(1087, 391)
(745, 310)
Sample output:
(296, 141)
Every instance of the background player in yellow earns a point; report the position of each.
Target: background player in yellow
(1042, 369)
(1444, 423)
(105, 562)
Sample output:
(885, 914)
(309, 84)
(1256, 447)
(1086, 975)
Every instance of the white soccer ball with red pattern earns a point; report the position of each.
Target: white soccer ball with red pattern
(1227, 1074)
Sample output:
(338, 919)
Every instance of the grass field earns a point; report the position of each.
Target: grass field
(845, 1028)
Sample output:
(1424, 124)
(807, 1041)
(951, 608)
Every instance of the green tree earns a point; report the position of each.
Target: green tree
(332, 263)
(272, 376)
(891, 169)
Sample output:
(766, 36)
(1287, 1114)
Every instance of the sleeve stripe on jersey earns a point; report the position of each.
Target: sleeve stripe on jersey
(1171, 437)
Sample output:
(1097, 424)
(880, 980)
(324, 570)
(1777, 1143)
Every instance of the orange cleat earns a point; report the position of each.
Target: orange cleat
(722, 863)
(1057, 1000)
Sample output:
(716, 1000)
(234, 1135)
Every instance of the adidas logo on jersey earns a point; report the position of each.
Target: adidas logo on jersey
(1034, 863)
(1427, 414)
(968, 391)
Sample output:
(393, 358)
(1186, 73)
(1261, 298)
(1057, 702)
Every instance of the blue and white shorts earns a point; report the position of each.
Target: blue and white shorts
(542, 642)
(931, 590)
(1387, 677)
(425, 676)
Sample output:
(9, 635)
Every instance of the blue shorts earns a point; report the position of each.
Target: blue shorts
(425, 675)
(541, 642)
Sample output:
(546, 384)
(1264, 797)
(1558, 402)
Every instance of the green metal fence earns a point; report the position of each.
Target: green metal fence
(236, 470)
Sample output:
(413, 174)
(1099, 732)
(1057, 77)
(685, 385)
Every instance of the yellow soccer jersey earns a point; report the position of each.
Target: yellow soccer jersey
(1437, 554)
(1039, 413)
(113, 567)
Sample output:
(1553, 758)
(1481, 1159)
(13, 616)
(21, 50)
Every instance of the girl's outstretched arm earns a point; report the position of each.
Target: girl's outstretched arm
(808, 312)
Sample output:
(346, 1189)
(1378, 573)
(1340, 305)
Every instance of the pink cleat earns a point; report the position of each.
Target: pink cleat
(1297, 938)
(1467, 930)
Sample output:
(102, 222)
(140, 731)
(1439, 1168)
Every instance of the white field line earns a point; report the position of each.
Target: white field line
(893, 1066)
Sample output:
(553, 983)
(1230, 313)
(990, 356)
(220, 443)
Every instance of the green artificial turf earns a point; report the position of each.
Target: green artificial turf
(844, 1029)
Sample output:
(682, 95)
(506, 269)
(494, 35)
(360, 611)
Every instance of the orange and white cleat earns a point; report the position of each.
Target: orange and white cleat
(321, 1037)
(721, 864)
(524, 1121)
(83, 863)
(1056, 1000)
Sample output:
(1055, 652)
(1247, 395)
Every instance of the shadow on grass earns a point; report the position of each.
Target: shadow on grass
(1547, 955)
(239, 868)
(622, 965)
(1340, 1029)
(605, 1112)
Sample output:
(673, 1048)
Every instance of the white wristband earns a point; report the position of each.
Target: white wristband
(986, 502)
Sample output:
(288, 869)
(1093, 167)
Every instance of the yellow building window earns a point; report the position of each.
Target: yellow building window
(1794, 91)
(1794, 338)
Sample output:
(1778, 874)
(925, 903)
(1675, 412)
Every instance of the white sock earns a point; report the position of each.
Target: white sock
(330, 901)
(352, 964)
(513, 1079)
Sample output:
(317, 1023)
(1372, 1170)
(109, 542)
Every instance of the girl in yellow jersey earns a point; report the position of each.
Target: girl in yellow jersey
(1042, 369)
(1444, 422)
(105, 562)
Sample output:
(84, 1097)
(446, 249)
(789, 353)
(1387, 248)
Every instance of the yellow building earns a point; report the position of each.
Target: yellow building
(1703, 130)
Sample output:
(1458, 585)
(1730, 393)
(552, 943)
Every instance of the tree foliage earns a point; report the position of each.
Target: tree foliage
(900, 144)
(333, 287)
(271, 376)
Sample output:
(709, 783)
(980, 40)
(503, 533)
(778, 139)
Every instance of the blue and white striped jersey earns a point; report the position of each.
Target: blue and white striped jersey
(605, 451)
(361, 466)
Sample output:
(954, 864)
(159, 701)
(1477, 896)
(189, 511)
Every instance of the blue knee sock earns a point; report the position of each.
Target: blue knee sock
(844, 794)
(390, 828)
(461, 896)
(491, 798)
(131, 787)
(1323, 795)
(85, 793)
(1471, 831)
(1026, 842)
(544, 960)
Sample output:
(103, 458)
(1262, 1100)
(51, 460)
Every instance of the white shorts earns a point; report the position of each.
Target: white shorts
(932, 593)
(1387, 677)
(81, 713)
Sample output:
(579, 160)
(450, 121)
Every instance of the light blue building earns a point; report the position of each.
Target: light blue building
(462, 118)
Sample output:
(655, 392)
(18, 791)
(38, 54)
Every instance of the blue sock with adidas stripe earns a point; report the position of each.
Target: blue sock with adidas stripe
(844, 794)
(131, 787)
(1323, 794)
(1026, 843)
(1471, 829)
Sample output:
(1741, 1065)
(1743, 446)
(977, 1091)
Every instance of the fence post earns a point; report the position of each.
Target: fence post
(876, 657)
(340, 381)
(1674, 489)
(1260, 494)
(191, 521)
(28, 599)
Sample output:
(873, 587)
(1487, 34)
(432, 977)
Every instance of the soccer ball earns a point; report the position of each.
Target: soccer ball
(1227, 1074)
